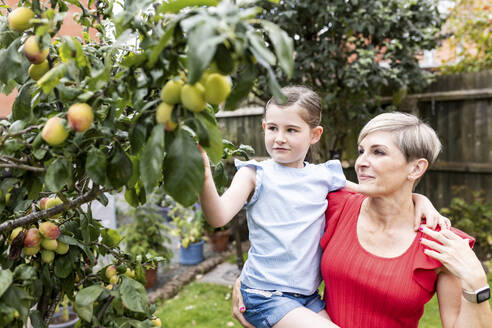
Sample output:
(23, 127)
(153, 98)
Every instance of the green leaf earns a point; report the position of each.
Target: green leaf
(63, 266)
(6, 279)
(95, 165)
(50, 80)
(183, 169)
(261, 48)
(133, 294)
(215, 147)
(119, 169)
(202, 42)
(163, 42)
(13, 64)
(152, 158)
(272, 80)
(36, 320)
(88, 295)
(242, 87)
(283, 45)
(85, 312)
(137, 136)
(58, 175)
(25, 272)
(110, 237)
(21, 110)
(174, 6)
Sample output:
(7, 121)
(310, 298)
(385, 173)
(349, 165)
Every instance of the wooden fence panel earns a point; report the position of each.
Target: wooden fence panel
(458, 107)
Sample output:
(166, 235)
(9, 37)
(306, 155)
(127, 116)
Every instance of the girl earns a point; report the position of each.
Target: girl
(279, 280)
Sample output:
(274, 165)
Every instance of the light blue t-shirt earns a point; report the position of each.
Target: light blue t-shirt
(286, 218)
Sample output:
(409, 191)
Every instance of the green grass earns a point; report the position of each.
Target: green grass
(198, 306)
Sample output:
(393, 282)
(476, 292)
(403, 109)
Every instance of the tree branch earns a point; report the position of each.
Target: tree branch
(105, 307)
(34, 217)
(23, 167)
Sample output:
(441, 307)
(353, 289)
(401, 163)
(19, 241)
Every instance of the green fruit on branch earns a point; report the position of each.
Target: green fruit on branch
(193, 97)
(47, 256)
(171, 92)
(157, 322)
(14, 234)
(110, 271)
(32, 51)
(170, 125)
(130, 273)
(217, 88)
(37, 71)
(114, 279)
(163, 113)
(30, 251)
(49, 230)
(80, 117)
(33, 238)
(62, 248)
(54, 132)
(19, 19)
(49, 244)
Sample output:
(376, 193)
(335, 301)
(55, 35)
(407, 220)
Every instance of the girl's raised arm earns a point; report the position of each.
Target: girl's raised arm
(219, 210)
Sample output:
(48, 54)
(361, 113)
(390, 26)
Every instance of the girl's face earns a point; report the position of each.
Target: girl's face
(287, 136)
(381, 167)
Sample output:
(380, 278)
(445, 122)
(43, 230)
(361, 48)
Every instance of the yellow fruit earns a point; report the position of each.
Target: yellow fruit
(19, 18)
(157, 322)
(37, 71)
(32, 51)
(110, 271)
(217, 88)
(29, 251)
(80, 117)
(14, 234)
(170, 125)
(47, 256)
(49, 230)
(62, 248)
(171, 92)
(42, 203)
(109, 287)
(114, 279)
(163, 113)
(53, 131)
(49, 244)
(193, 97)
(52, 202)
(130, 273)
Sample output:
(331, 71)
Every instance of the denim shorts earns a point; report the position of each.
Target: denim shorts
(264, 308)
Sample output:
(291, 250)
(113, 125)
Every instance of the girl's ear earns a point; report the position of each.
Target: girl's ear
(263, 125)
(316, 134)
(419, 166)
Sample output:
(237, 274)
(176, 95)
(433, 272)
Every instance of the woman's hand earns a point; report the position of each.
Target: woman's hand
(425, 209)
(457, 257)
(238, 306)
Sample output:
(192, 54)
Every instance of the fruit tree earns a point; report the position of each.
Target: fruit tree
(120, 110)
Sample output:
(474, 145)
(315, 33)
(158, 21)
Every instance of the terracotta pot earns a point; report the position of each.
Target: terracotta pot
(150, 277)
(219, 240)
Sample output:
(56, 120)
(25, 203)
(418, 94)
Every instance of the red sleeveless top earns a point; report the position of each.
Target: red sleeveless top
(363, 289)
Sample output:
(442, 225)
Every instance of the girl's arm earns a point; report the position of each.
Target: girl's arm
(219, 210)
(462, 269)
(425, 209)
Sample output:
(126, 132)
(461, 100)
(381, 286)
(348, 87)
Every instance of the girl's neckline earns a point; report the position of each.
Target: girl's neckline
(392, 258)
(289, 167)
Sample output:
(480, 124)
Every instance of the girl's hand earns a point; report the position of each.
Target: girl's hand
(206, 161)
(457, 257)
(425, 209)
(238, 306)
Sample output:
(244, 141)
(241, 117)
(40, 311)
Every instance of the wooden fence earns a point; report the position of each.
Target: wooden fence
(458, 107)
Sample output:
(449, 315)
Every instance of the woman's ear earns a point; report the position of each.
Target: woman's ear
(316, 134)
(419, 166)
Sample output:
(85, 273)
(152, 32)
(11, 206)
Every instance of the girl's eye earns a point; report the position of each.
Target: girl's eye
(272, 128)
(291, 130)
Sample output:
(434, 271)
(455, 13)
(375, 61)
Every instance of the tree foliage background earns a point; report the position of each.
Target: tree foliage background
(352, 52)
(119, 74)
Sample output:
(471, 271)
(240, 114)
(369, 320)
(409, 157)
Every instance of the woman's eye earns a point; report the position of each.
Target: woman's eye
(360, 151)
(378, 152)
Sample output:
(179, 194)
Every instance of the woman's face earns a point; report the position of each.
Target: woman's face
(381, 167)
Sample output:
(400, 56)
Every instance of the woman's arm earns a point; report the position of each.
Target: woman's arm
(219, 210)
(462, 269)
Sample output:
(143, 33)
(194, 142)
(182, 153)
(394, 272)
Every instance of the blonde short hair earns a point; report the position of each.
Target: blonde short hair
(413, 137)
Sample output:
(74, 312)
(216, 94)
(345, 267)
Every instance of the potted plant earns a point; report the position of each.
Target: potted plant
(218, 238)
(147, 236)
(188, 225)
(64, 316)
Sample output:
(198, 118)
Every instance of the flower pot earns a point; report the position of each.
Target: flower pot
(57, 320)
(219, 240)
(191, 255)
(150, 277)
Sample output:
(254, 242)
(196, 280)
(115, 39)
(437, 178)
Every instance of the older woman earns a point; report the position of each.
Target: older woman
(380, 272)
